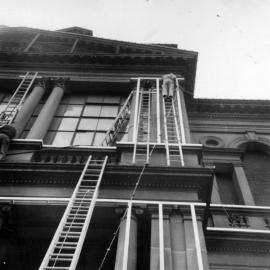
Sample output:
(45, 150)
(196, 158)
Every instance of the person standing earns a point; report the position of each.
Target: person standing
(169, 85)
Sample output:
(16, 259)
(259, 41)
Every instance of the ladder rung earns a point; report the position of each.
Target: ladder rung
(67, 243)
(55, 267)
(61, 255)
(63, 247)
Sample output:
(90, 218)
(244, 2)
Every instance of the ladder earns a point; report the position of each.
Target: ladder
(142, 140)
(120, 123)
(173, 141)
(15, 102)
(65, 248)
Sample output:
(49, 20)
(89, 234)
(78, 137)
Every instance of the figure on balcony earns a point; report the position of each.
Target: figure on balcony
(7, 132)
(168, 86)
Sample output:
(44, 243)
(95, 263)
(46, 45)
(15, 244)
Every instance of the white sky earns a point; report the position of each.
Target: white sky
(231, 36)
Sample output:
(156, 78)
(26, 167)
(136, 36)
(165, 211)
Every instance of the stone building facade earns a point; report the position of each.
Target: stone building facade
(186, 183)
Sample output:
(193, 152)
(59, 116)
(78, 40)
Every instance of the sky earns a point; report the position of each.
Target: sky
(232, 37)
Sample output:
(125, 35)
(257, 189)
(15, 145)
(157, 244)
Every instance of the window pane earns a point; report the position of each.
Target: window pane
(123, 137)
(77, 100)
(1, 97)
(69, 110)
(49, 137)
(2, 106)
(112, 99)
(109, 111)
(7, 97)
(88, 124)
(104, 124)
(61, 110)
(55, 123)
(123, 100)
(65, 100)
(99, 138)
(62, 138)
(68, 124)
(83, 138)
(73, 110)
(92, 110)
(94, 99)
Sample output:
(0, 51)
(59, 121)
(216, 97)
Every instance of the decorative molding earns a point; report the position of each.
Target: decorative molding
(205, 141)
(216, 107)
(249, 137)
(239, 249)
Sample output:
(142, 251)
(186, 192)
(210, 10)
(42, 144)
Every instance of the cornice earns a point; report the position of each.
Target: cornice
(158, 48)
(233, 249)
(228, 108)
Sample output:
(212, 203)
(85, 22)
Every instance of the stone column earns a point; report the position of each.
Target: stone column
(132, 249)
(192, 261)
(42, 123)
(28, 108)
(154, 253)
(178, 241)
(154, 248)
(167, 242)
(185, 116)
(241, 184)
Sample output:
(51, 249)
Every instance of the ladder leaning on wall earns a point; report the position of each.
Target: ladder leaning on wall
(169, 123)
(16, 100)
(142, 123)
(66, 245)
(119, 125)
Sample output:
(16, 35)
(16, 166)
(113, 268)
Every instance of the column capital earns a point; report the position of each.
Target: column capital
(60, 82)
(186, 212)
(208, 164)
(238, 163)
(136, 211)
(42, 82)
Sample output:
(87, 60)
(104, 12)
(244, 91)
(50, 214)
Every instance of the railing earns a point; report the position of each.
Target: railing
(159, 208)
(225, 218)
(239, 218)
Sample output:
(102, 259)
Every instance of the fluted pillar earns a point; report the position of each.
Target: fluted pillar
(28, 108)
(42, 123)
(155, 243)
(154, 246)
(178, 241)
(191, 252)
(132, 249)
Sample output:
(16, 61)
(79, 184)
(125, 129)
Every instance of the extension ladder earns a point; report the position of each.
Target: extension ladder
(65, 248)
(119, 125)
(15, 102)
(173, 141)
(142, 141)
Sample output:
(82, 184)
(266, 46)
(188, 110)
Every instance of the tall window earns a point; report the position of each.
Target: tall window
(81, 120)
